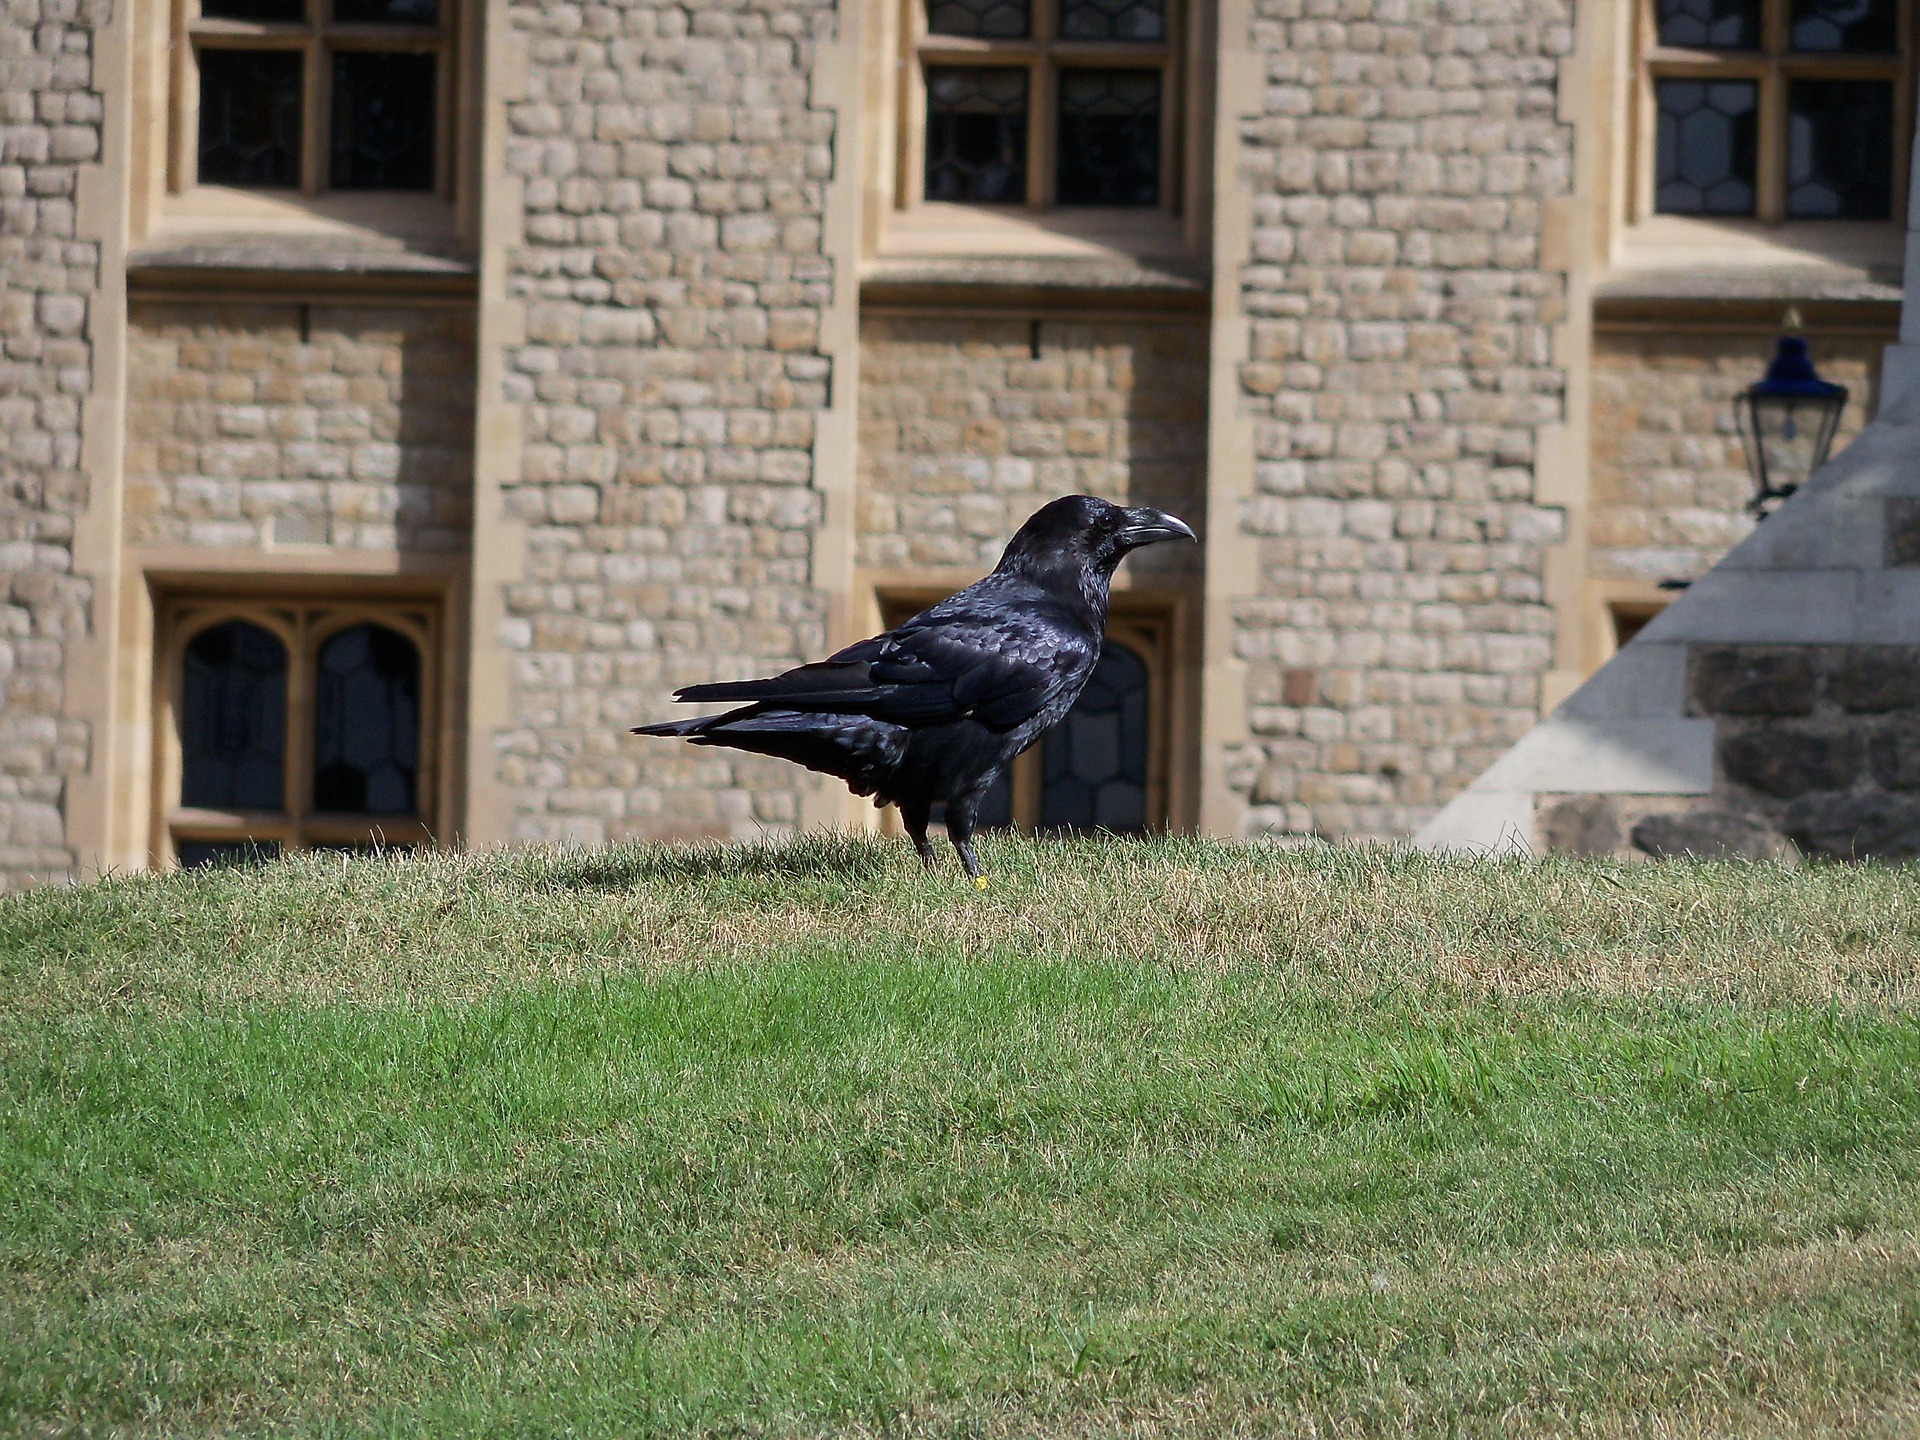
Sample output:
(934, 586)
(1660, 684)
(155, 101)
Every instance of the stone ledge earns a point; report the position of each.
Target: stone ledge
(279, 269)
(1056, 282)
(1775, 283)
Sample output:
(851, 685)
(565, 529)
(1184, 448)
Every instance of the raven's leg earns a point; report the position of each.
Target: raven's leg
(915, 818)
(961, 814)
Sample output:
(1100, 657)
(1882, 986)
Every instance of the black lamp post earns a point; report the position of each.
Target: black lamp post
(1788, 420)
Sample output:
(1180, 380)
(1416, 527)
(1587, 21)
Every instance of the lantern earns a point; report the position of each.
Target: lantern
(1788, 420)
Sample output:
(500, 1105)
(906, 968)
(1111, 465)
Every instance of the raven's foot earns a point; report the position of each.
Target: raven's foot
(964, 848)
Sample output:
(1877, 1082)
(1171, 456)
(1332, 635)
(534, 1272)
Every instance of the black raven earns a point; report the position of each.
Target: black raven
(932, 712)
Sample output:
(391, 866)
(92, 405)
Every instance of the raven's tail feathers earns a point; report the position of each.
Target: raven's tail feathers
(830, 680)
(859, 750)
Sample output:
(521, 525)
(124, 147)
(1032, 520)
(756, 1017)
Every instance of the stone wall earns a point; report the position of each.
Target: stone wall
(1816, 753)
(969, 426)
(50, 115)
(1669, 478)
(674, 169)
(1399, 378)
(256, 425)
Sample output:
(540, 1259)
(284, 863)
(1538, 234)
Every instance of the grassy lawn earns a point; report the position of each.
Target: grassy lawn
(1168, 1139)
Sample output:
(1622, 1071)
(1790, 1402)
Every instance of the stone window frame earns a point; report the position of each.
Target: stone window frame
(1773, 67)
(1043, 54)
(1146, 624)
(899, 227)
(315, 38)
(302, 623)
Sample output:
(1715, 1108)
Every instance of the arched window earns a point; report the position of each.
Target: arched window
(297, 726)
(1094, 762)
(366, 722)
(233, 719)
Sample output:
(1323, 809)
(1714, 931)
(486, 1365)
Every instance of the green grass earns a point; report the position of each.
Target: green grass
(1167, 1139)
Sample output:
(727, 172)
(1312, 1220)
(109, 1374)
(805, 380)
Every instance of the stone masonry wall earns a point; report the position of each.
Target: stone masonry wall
(1816, 754)
(1669, 477)
(675, 170)
(965, 431)
(243, 432)
(1400, 374)
(50, 115)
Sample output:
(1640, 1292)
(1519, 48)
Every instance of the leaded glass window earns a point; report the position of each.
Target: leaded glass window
(1109, 137)
(233, 719)
(1778, 109)
(976, 133)
(1707, 147)
(366, 751)
(250, 117)
(365, 77)
(984, 19)
(1840, 150)
(1094, 774)
(297, 725)
(1710, 24)
(383, 106)
(1044, 102)
(1859, 27)
(1113, 19)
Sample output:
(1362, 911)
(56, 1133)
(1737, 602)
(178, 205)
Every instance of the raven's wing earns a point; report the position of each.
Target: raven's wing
(996, 663)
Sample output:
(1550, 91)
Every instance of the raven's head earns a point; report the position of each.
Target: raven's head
(1088, 534)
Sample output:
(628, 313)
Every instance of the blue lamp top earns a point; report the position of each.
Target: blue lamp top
(1791, 376)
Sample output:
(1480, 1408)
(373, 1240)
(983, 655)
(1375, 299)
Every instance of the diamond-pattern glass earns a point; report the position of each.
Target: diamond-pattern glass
(259, 12)
(387, 12)
(233, 719)
(1857, 27)
(1109, 137)
(1705, 147)
(976, 133)
(1113, 19)
(982, 19)
(366, 723)
(1094, 762)
(1710, 24)
(383, 115)
(249, 117)
(1840, 149)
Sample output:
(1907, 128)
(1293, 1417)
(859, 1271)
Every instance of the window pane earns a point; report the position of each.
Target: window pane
(989, 19)
(1113, 19)
(233, 719)
(260, 12)
(249, 117)
(1705, 147)
(1860, 26)
(1095, 761)
(1840, 149)
(1109, 137)
(1710, 24)
(205, 854)
(976, 134)
(382, 121)
(387, 12)
(366, 723)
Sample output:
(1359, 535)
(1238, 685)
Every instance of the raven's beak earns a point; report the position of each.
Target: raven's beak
(1145, 525)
